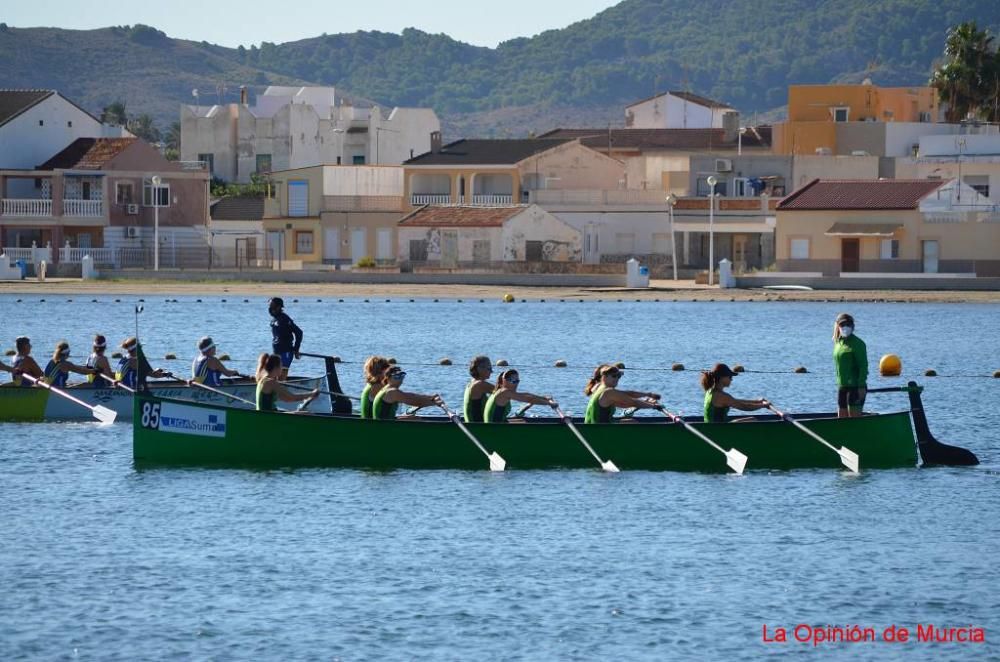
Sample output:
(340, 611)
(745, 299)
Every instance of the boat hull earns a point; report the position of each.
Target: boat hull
(167, 432)
(38, 404)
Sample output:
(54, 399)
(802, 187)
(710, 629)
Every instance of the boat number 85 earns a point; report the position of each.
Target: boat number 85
(151, 415)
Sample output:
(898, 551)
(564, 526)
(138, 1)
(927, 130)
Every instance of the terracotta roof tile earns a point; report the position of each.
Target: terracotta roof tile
(486, 152)
(87, 154)
(455, 216)
(861, 194)
(663, 138)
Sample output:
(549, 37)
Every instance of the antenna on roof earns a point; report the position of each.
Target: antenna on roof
(197, 101)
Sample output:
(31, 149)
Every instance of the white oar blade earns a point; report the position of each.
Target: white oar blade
(104, 415)
(849, 458)
(610, 467)
(497, 463)
(736, 460)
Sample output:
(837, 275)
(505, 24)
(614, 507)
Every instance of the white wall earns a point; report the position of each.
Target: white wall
(363, 180)
(669, 112)
(901, 136)
(562, 241)
(948, 145)
(24, 144)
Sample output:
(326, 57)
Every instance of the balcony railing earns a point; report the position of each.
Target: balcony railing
(83, 208)
(492, 199)
(430, 199)
(27, 207)
(193, 165)
(102, 257)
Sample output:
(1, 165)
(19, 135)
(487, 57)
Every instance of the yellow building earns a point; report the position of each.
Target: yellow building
(835, 118)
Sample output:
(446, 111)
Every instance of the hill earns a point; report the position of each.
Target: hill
(740, 51)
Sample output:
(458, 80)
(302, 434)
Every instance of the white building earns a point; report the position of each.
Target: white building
(676, 110)
(298, 127)
(973, 158)
(37, 124)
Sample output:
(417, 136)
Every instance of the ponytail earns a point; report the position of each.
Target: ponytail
(374, 367)
(262, 365)
(502, 379)
(595, 379)
(708, 380)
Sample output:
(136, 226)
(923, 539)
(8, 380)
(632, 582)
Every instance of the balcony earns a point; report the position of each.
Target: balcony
(32, 207)
(83, 208)
(420, 199)
(492, 200)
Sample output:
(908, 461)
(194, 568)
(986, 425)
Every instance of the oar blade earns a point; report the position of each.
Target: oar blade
(736, 460)
(850, 459)
(104, 415)
(497, 463)
(610, 467)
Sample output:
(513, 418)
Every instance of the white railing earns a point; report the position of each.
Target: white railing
(27, 254)
(193, 165)
(430, 199)
(598, 197)
(27, 207)
(83, 208)
(492, 199)
(946, 217)
(101, 256)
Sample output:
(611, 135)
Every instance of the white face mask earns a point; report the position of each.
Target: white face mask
(846, 331)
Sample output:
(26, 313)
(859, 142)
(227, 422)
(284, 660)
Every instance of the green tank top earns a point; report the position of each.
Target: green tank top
(384, 410)
(714, 414)
(265, 401)
(595, 412)
(474, 410)
(494, 413)
(366, 403)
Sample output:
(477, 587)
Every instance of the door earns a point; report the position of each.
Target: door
(850, 255)
(591, 249)
(930, 255)
(331, 244)
(740, 242)
(449, 249)
(359, 247)
(383, 249)
(275, 245)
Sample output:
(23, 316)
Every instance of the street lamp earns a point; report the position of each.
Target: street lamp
(671, 201)
(156, 221)
(712, 181)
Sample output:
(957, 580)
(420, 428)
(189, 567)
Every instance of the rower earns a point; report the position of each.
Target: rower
(605, 396)
(24, 364)
(717, 401)
(99, 364)
(286, 337)
(58, 368)
(269, 387)
(478, 390)
(498, 404)
(206, 368)
(390, 397)
(128, 366)
(374, 367)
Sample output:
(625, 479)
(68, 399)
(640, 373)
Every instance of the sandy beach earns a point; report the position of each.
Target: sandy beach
(663, 290)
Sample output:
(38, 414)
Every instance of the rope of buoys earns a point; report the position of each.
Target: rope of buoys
(169, 356)
(560, 364)
(930, 372)
(445, 361)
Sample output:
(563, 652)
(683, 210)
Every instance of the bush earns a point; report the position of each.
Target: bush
(366, 262)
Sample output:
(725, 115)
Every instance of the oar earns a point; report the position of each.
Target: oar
(214, 390)
(608, 466)
(101, 413)
(332, 394)
(736, 460)
(115, 382)
(847, 456)
(497, 463)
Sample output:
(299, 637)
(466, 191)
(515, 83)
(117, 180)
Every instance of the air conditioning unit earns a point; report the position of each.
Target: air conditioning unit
(132, 210)
(824, 151)
(723, 165)
(132, 232)
(858, 152)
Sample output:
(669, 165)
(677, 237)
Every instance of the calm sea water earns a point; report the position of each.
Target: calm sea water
(100, 561)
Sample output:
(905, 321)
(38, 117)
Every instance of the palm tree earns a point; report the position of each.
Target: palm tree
(143, 126)
(173, 137)
(114, 114)
(967, 80)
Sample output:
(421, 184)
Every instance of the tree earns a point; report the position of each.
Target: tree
(173, 136)
(115, 114)
(967, 80)
(143, 126)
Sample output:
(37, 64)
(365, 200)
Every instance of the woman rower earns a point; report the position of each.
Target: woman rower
(850, 358)
(206, 368)
(390, 397)
(605, 396)
(498, 404)
(128, 367)
(269, 387)
(717, 401)
(58, 369)
(24, 364)
(478, 391)
(99, 364)
(374, 367)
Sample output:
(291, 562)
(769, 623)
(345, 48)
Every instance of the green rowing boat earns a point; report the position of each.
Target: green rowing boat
(169, 432)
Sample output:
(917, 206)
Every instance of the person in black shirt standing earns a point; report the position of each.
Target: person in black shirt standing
(286, 337)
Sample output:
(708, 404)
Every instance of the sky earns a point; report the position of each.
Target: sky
(234, 22)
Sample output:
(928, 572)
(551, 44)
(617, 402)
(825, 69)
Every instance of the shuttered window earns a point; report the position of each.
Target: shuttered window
(298, 198)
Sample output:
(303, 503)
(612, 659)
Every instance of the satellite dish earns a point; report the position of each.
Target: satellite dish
(194, 93)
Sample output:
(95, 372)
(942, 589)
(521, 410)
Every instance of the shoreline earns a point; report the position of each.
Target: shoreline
(664, 290)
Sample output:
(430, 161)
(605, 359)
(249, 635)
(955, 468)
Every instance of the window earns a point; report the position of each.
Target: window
(841, 114)
(533, 251)
(70, 125)
(981, 183)
(86, 190)
(263, 163)
(41, 122)
(208, 160)
(304, 241)
(155, 196)
(924, 117)
(800, 249)
(358, 159)
(418, 250)
(298, 198)
(889, 249)
(702, 187)
(123, 193)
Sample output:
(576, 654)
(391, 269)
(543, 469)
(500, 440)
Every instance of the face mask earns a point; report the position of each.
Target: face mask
(846, 331)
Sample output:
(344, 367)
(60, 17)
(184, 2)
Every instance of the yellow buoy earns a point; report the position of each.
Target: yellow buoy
(502, 363)
(508, 298)
(890, 365)
(560, 363)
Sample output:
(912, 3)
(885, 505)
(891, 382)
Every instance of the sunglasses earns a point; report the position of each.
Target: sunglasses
(614, 375)
(845, 323)
(512, 380)
(397, 375)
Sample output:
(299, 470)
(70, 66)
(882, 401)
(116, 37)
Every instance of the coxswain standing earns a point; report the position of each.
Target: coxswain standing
(286, 337)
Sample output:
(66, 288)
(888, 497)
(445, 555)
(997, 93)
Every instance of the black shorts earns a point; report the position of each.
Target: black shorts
(849, 396)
